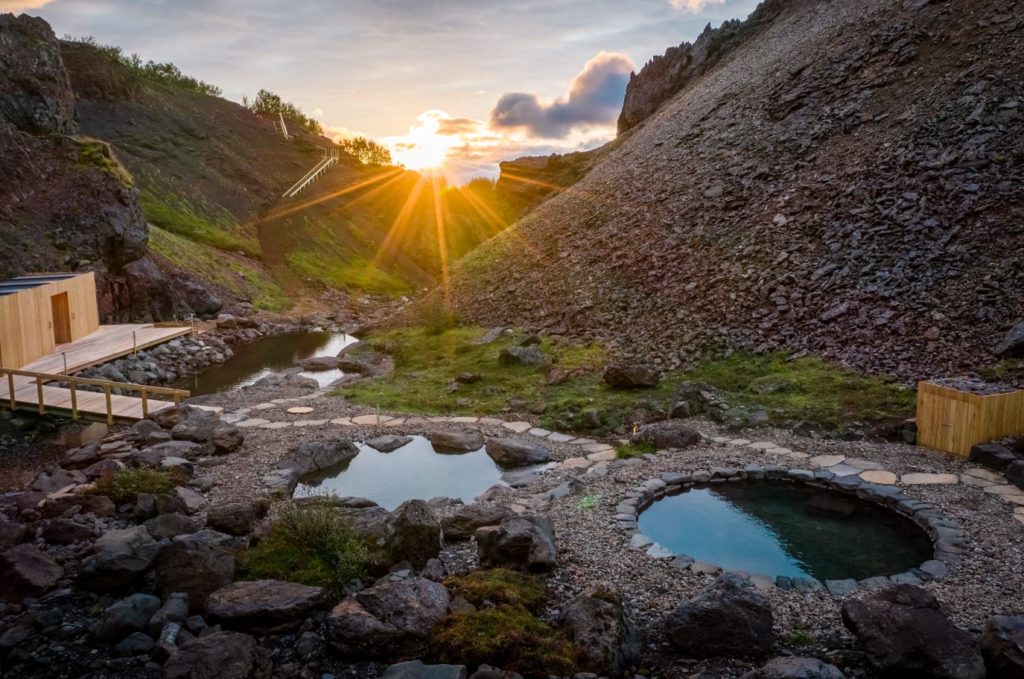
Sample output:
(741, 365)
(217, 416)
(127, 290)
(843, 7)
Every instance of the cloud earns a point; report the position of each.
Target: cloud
(594, 98)
(694, 5)
(18, 6)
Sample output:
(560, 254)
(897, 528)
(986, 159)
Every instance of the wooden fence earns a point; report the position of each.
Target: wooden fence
(954, 421)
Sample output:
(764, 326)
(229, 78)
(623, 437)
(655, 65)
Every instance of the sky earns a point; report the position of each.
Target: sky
(469, 81)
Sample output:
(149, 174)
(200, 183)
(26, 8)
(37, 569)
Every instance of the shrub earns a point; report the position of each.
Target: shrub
(310, 544)
(626, 451)
(499, 586)
(124, 486)
(166, 73)
(509, 637)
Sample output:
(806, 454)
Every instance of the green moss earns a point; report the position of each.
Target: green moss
(312, 545)
(179, 216)
(355, 272)
(124, 486)
(509, 637)
(798, 638)
(625, 451)
(96, 153)
(589, 501)
(499, 586)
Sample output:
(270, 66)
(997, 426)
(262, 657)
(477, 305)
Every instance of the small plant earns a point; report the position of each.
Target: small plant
(626, 451)
(509, 637)
(124, 486)
(311, 544)
(799, 638)
(588, 501)
(499, 586)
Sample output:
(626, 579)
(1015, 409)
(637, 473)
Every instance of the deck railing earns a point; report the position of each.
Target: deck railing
(144, 391)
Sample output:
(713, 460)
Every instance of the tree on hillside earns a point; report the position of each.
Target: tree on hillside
(267, 103)
(366, 150)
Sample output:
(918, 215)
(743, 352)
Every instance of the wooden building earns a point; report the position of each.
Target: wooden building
(40, 312)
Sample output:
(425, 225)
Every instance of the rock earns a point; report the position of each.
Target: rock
(65, 532)
(152, 455)
(315, 455)
(459, 440)
(510, 452)
(234, 517)
(14, 637)
(128, 615)
(319, 363)
(596, 623)
(415, 533)
(795, 668)
(220, 655)
(1015, 474)
(35, 89)
(51, 482)
(730, 618)
(388, 443)
(395, 618)
(124, 541)
(195, 564)
(167, 526)
(463, 523)
(1012, 344)
(136, 643)
(524, 542)
(175, 609)
(992, 455)
(77, 458)
(206, 428)
(112, 572)
(522, 356)
(904, 632)
(1002, 645)
(671, 434)
(631, 376)
(11, 533)
(100, 505)
(264, 606)
(26, 572)
(103, 468)
(415, 669)
(488, 672)
(226, 438)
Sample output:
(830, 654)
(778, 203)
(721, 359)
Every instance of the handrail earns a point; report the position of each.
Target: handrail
(74, 382)
(330, 158)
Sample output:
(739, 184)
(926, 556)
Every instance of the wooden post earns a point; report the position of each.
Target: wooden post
(74, 401)
(39, 391)
(177, 399)
(135, 346)
(145, 403)
(10, 387)
(110, 407)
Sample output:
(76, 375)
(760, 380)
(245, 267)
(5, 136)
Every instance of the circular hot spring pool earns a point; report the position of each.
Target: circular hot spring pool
(785, 529)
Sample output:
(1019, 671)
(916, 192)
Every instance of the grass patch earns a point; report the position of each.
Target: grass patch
(589, 501)
(509, 637)
(625, 451)
(798, 638)
(429, 358)
(124, 486)
(179, 216)
(346, 273)
(96, 153)
(499, 586)
(310, 544)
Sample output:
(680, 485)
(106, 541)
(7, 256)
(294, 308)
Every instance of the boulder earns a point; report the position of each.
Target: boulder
(27, 572)
(415, 669)
(457, 440)
(151, 456)
(364, 363)
(1012, 344)
(77, 458)
(631, 376)
(52, 481)
(488, 672)
(264, 606)
(112, 572)
(103, 468)
(175, 609)
(206, 428)
(167, 526)
(132, 540)
(605, 639)
(319, 363)
(100, 505)
(730, 618)
(1015, 474)
(1002, 645)
(65, 532)
(315, 455)
(11, 533)
(905, 633)
(463, 523)
(197, 565)
(992, 455)
(522, 356)
(220, 655)
(388, 443)
(233, 517)
(415, 533)
(391, 619)
(523, 542)
(128, 615)
(795, 668)
(510, 452)
(671, 434)
(226, 438)
(136, 643)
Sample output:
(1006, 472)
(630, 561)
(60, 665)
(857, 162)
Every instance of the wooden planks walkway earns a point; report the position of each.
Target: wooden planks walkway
(106, 344)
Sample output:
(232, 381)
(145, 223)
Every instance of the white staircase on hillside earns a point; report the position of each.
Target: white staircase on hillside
(330, 158)
(280, 126)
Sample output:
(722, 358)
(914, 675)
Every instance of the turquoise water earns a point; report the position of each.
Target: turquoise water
(784, 529)
(414, 471)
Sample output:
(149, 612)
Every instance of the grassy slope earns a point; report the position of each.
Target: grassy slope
(427, 362)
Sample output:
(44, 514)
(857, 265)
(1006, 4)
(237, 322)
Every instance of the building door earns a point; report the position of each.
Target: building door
(61, 318)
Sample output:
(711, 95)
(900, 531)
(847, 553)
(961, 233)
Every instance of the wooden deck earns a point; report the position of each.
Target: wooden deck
(106, 344)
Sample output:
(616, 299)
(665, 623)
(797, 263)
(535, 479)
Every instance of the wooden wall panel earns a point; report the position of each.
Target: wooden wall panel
(954, 421)
(26, 318)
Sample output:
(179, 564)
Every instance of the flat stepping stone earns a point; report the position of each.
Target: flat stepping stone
(264, 406)
(437, 419)
(1019, 517)
(778, 450)
(342, 421)
(517, 427)
(921, 479)
(826, 460)
(309, 423)
(231, 418)
(575, 463)
(844, 470)
(879, 476)
(979, 473)
(797, 456)
(492, 421)
(465, 419)
(1006, 490)
(559, 438)
(762, 582)
(540, 433)
(640, 541)
(276, 425)
(705, 568)
(720, 439)
(254, 422)
(762, 445)
(582, 442)
(864, 465)
(596, 447)
(370, 419)
(975, 481)
(603, 456)
(300, 410)
(657, 551)
(738, 442)
(395, 422)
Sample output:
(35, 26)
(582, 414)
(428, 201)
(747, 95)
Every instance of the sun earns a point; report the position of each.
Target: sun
(422, 148)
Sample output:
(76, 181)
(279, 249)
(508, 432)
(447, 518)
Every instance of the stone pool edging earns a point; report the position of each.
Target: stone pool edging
(948, 539)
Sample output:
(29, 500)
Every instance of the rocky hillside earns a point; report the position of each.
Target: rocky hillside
(846, 181)
(65, 201)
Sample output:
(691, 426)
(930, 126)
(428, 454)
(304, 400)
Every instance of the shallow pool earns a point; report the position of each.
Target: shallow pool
(414, 471)
(777, 528)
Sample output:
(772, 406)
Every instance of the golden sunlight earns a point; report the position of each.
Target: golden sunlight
(422, 148)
